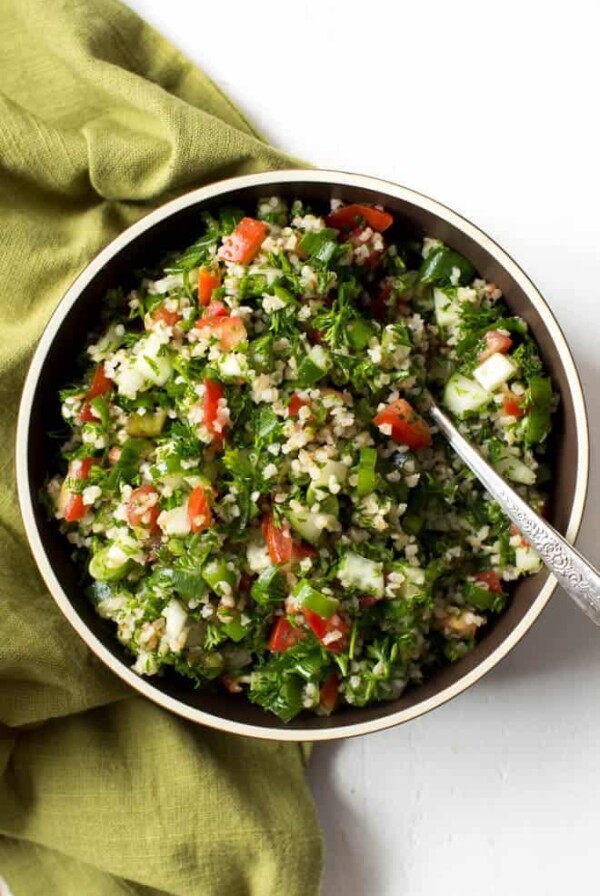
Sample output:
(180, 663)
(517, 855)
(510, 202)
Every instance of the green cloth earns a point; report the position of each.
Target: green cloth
(102, 792)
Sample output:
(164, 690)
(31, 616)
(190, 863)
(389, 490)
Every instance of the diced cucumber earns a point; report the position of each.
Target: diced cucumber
(321, 604)
(462, 395)
(527, 560)
(313, 367)
(366, 471)
(482, 598)
(537, 422)
(175, 521)
(495, 371)
(515, 470)
(414, 580)
(328, 504)
(235, 630)
(447, 309)
(361, 574)
(304, 523)
(333, 468)
(219, 577)
(105, 567)
(148, 426)
(359, 333)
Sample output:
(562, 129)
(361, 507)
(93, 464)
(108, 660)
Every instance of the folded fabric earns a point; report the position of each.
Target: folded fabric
(102, 792)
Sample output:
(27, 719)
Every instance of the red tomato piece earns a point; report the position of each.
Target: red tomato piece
(349, 216)
(490, 578)
(284, 635)
(332, 633)
(70, 503)
(80, 469)
(86, 414)
(511, 404)
(142, 507)
(166, 317)
(244, 242)
(495, 342)
(296, 402)
(279, 540)
(329, 693)
(213, 393)
(408, 428)
(215, 309)
(300, 550)
(199, 512)
(228, 331)
(100, 385)
(207, 281)
(73, 508)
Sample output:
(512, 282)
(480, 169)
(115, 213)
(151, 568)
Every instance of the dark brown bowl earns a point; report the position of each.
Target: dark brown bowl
(175, 225)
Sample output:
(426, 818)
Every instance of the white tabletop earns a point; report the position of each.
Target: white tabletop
(491, 108)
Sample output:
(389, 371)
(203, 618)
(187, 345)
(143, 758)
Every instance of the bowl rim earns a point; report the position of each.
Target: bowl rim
(213, 191)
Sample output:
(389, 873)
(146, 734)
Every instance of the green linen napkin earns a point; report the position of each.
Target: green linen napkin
(102, 792)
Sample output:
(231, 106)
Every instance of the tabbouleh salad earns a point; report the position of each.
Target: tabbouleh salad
(250, 487)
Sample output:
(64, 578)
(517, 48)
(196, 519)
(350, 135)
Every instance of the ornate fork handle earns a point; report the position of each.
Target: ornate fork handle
(578, 577)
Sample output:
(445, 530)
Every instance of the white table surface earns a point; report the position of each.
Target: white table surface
(491, 108)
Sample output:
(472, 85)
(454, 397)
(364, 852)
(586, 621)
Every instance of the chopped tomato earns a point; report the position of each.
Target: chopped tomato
(279, 540)
(215, 309)
(244, 242)
(199, 512)
(80, 469)
(207, 281)
(495, 342)
(329, 693)
(349, 216)
(332, 632)
(101, 384)
(86, 414)
(213, 393)
(70, 503)
(491, 579)
(142, 507)
(280, 544)
(284, 635)
(296, 402)
(228, 331)
(166, 317)
(512, 404)
(301, 550)
(407, 427)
